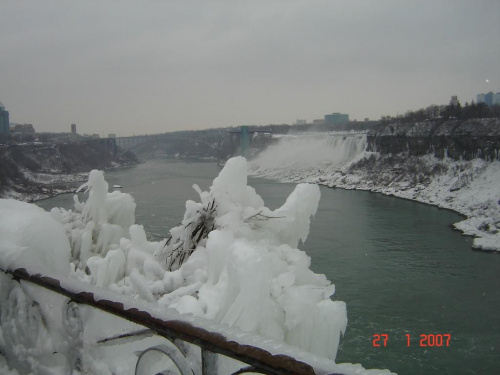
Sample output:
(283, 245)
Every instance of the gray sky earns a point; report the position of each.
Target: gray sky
(136, 67)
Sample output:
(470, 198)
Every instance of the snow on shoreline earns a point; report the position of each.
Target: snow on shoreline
(470, 188)
(41, 186)
(35, 186)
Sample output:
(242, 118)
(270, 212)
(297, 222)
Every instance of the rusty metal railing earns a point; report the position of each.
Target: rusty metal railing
(212, 344)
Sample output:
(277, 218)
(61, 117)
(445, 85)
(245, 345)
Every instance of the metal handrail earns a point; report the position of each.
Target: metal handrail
(260, 360)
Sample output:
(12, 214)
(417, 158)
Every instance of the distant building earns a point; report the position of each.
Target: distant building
(24, 129)
(22, 132)
(73, 136)
(496, 98)
(4, 124)
(300, 122)
(489, 98)
(336, 118)
(112, 135)
(92, 136)
(318, 121)
(454, 100)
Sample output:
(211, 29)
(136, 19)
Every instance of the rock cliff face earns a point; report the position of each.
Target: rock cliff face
(35, 171)
(456, 139)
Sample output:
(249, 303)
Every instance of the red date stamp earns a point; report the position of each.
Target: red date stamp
(425, 340)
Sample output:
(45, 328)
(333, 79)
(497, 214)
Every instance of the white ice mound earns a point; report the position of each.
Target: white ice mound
(97, 225)
(231, 260)
(32, 239)
(256, 278)
(115, 208)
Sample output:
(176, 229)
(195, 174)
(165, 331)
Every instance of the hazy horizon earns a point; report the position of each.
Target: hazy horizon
(158, 66)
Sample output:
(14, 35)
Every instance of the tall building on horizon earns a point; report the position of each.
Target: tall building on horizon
(489, 98)
(4, 123)
(336, 118)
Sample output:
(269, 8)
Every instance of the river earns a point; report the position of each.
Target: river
(397, 264)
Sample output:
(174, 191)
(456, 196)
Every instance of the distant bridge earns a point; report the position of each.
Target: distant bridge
(244, 133)
(129, 143)
(212, 140)
(216, 140)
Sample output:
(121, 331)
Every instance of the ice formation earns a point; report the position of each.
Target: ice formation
(231, 260)
(30, 237)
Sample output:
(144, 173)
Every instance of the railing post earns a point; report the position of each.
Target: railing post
(73, 327)
(208, 362)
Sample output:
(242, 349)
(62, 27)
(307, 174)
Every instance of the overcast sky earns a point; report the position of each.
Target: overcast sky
(136, 67)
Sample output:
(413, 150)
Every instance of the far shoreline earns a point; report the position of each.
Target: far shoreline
(331, 182)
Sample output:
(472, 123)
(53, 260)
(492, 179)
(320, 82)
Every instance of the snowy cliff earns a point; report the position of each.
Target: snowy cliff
(35, 171)
(456, 139)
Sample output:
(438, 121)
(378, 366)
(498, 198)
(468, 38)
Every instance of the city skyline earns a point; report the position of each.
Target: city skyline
(156, 67)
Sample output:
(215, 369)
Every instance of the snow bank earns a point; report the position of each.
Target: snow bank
(4, 368)
(30, 237)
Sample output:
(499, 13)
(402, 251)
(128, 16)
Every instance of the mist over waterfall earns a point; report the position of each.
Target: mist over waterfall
(310, 151)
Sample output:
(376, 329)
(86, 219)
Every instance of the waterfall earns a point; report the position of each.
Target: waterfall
(311, 150)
